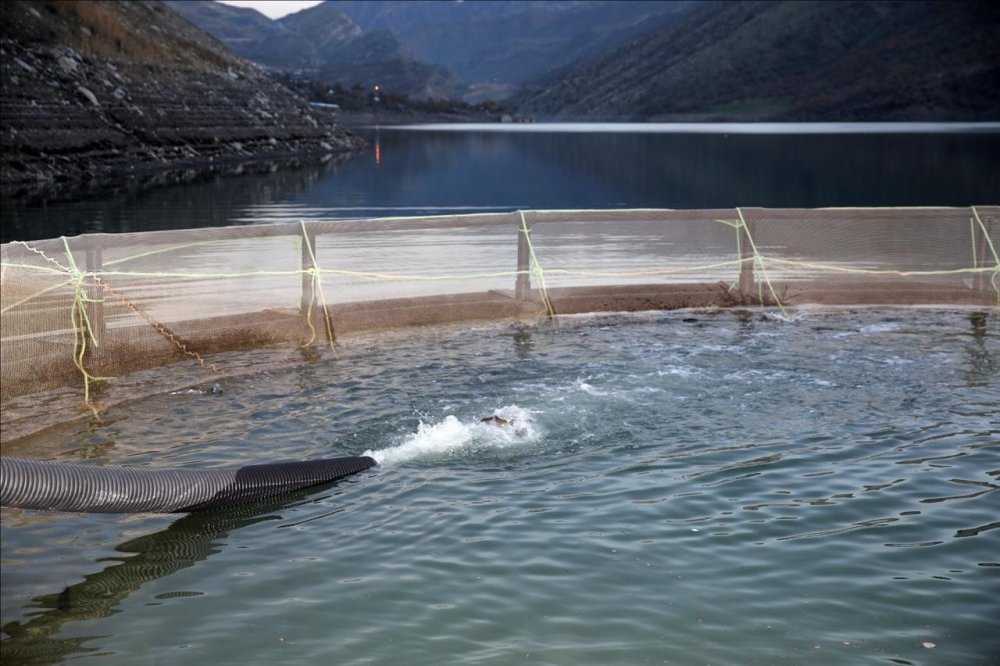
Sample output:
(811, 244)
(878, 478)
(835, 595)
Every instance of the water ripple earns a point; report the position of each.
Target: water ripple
(816, 491)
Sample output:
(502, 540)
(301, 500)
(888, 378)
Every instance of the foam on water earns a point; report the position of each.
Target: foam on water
(588, 388)
(881, 327)
(677, 370)
(452, 436)
(786, 317)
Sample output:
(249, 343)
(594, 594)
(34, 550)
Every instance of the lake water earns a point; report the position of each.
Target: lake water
(683, 488)
(466, 168)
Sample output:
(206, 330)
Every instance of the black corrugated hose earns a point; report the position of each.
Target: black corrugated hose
(38, 484)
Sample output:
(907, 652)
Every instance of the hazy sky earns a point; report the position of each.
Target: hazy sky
(273, 8)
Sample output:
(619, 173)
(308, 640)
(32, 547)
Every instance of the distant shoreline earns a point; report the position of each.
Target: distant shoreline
(140, 176)
(761, 127)
(131, 176)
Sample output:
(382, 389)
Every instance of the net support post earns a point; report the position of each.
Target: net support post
(308, 301)
(981, 238)
(315, 316)
(95, 294)
(746, 284)
(313, 310)
(522, 286)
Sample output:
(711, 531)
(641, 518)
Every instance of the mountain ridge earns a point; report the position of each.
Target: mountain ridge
(838, 61)
(509, 41)
(432, 49)
(321, 42)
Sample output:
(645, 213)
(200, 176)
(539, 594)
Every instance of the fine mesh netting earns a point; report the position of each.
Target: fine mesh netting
(83, 316)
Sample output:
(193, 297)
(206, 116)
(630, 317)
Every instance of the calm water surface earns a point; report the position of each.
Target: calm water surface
(454, 169)
(687, 488)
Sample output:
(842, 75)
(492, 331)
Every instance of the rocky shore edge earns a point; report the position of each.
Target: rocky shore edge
(72, 123)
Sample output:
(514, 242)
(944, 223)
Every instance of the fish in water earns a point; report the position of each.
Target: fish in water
(501, 422)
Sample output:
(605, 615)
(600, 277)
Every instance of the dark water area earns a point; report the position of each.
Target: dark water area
(459, 169)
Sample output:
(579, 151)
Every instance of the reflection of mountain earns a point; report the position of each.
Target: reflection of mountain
(438, 171)
(982, 365)
(207, 202)
(783, 170)
(426, 171)
(803, 171)
(416, 169)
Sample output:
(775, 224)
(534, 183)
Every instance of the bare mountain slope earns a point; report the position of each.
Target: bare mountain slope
(101, 92)
(911, 60)
(321, 42)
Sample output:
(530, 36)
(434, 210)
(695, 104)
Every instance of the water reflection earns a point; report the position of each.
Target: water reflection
(446, 171)
(184, 543)
(523, 345)
(983, 366)
(211, 201)
(788, 170)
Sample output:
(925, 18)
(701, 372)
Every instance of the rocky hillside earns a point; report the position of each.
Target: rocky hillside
(97, 93)
(323, 43)
(510, 41)
(475, 50)
(820, 60)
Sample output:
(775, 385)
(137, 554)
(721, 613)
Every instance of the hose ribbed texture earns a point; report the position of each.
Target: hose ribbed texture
(38, 484)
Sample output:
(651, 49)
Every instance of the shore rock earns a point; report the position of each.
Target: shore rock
(76, 115)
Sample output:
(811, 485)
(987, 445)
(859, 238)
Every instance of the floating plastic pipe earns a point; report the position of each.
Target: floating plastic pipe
(38, 484)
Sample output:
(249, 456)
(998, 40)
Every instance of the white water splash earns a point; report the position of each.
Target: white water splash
(882, 327)
(451, 436)
(587, 388)
(678, 370)
(786, 317)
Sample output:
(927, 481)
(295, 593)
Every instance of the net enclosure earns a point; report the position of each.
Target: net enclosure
(93, 318)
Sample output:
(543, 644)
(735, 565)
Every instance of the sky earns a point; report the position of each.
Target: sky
(273, 8)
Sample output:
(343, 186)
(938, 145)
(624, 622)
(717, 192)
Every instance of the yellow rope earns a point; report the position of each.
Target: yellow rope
(995, 278)
(80, 323)
(81, 326)
(76, 278)
(31, 297)
(759, 263)
(972, 236)
(161, 250)
(317, 286)
(986, 235)
(538, 267)
(739, 248)
(401, 277)
(251, 274)
(309, 309)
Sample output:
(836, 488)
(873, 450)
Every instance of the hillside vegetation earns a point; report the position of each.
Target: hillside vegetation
(834, 61)
(95, 93)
